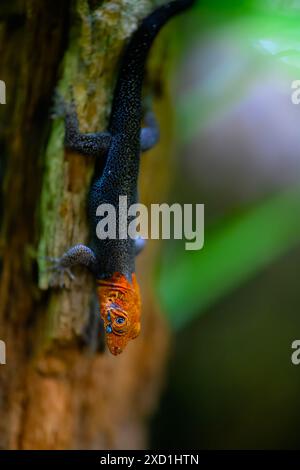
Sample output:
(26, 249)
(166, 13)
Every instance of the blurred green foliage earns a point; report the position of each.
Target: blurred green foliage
(242, 244)
(268, 27)
(231, 382)
(233, 252)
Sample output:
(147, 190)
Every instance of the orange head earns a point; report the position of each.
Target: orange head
(120, 309)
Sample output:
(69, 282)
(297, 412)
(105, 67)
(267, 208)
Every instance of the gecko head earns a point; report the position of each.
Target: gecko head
(120, 311)
(120, 328)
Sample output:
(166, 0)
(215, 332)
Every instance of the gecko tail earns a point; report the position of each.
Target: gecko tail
(128, 91)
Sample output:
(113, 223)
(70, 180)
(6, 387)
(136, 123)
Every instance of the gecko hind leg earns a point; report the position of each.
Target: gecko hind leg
(150, 133)
(92, 144)
(95, 144)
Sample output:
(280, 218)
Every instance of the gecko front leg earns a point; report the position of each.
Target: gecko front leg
(76, 255)
(139, 245)
(91, 336)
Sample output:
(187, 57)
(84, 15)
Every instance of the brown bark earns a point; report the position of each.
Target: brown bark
(54, 395)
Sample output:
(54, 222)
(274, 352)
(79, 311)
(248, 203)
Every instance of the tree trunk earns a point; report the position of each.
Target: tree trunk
(53, 394)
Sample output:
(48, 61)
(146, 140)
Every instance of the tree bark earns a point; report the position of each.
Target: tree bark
(53, 394)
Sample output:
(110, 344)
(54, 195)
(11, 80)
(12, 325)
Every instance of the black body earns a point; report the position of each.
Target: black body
(120, 174)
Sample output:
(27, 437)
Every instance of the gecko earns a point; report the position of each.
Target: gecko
(117, 160)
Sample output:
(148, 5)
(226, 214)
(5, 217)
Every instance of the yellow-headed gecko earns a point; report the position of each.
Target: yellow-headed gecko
(117, 154)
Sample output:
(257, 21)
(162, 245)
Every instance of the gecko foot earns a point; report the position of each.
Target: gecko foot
(59, 272)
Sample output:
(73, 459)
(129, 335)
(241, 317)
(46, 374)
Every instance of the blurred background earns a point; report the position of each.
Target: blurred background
(234, 305)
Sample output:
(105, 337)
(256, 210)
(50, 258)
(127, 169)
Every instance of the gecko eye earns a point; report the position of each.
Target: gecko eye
(120, 325)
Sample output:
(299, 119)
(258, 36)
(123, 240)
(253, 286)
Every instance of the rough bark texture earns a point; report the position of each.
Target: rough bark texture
(53, 395)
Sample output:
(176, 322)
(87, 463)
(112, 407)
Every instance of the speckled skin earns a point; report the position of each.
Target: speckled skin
(117, 155)
(120, 175)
